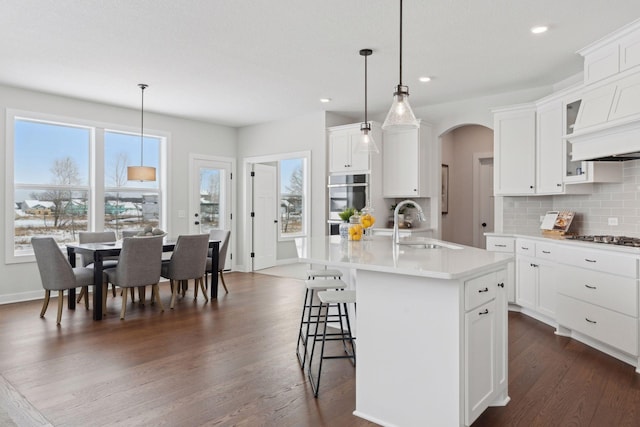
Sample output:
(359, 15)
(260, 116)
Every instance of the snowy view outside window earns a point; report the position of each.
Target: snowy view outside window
(53, 186)
(292, 193)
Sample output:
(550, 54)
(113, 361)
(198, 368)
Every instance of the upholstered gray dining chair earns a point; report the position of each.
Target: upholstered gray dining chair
(96, 237)
(56, 273)
(188, 261)
(138, 266)
(223, 237)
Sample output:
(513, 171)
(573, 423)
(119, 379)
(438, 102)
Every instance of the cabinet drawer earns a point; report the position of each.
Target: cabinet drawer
(480, 290)
(609, 327)
(526, 247)
(548, 251)
(607, 262)
(500, 244)
(606, 290)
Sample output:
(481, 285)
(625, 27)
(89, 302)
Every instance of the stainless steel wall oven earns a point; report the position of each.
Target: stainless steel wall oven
(345, 191)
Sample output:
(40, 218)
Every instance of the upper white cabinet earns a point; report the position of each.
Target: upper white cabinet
(549, 152)
(405, 162)
(514, 148)
(343, 154)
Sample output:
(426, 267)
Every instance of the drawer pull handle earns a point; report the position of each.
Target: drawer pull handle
(501, 246)
(524, 248)
(501, 285)
(533, 265)
(546, 252)
(590, 287)
(486, 311)
(590, 260)
(590, 321)
(483, 290)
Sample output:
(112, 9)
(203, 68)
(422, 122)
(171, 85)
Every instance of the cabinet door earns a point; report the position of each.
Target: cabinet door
(359, 160)
(515, 152)
(549, 149)
(480, 358)
(547, 289)
(339, 151)
(527, 277)
(502, 333)
(400, 164)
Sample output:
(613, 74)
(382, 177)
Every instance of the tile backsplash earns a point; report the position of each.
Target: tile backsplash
(612, 200)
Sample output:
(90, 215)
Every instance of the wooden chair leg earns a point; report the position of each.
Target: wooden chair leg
(60, 302)
(105, 286)
(141, 294)
(113, 289)
(82, 292)
(124, 304)
(174, 291)
(184, 285)
(195, 289)
(204, 292)
(85, 289)
(223, 284)
(156, 291)
(45, 304)
(133, 295)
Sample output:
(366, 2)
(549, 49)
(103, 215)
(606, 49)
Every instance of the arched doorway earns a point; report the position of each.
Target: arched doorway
(467, 151)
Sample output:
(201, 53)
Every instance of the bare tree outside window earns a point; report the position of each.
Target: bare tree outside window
(291, 198)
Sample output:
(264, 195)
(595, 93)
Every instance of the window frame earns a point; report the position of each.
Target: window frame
(96, 185)
(306, 217)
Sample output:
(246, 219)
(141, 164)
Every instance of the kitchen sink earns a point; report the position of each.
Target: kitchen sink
(423, 243)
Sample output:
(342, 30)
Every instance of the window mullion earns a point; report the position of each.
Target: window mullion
(97, 192)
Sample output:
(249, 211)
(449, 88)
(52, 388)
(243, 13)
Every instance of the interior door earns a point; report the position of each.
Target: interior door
(210, 197)
(265, 218)
(484, 222)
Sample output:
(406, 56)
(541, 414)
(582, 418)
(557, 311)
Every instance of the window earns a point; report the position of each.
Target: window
(53, 166)
(293, 190)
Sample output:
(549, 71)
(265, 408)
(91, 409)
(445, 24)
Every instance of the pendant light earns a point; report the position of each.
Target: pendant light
(400, 114)
(141, 173)
(366, 144)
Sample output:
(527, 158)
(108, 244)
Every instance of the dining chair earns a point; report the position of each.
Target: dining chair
(96, 237)
(56, 273)
(223, 237)
(188, 261)
(138, 266)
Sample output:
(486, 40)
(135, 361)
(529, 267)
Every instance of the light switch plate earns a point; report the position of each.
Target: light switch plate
(182, 213)
(613, 221)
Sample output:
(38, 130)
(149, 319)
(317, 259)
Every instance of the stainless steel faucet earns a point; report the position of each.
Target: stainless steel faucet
(396, 233)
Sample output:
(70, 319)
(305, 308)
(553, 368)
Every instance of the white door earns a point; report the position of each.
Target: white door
(483, 200)
(210, 196)
(265, 216)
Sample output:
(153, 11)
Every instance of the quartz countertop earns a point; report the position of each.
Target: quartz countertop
(447, 261)
(572, 243)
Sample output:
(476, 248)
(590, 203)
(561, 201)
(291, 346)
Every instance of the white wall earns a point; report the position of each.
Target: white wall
(22, 281)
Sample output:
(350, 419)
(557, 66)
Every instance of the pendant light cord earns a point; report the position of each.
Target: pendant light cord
(400, 42)
(365, 89)
(143, 87)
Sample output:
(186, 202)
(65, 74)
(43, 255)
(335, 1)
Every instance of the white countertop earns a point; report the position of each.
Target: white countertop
(450, 261)
(572, 243)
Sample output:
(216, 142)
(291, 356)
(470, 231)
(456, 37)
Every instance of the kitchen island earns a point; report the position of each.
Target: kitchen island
(431, 327)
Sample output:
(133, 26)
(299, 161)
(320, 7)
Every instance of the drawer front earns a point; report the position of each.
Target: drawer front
(526, 247)
(615, 329)
(549, 251)
(607, 262)
(480, 290)
(606, 290)
(500, 244)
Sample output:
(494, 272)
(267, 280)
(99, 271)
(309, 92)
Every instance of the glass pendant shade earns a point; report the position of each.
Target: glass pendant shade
(400, 115)
(141, 173)
(366, 143)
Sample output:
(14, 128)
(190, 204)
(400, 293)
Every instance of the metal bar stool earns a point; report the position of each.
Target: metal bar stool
(340, 300)
(308, 317)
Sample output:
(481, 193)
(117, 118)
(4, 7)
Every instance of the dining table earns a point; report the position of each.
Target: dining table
(98, 252)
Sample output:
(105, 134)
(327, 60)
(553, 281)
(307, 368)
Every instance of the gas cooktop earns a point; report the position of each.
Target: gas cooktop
(611, 240)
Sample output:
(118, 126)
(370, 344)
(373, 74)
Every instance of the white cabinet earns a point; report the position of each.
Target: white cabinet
(485, 347)
(405, 162)
(505, 245)
(343, 154)
(549, 152)
(536, 277)
(514, 150)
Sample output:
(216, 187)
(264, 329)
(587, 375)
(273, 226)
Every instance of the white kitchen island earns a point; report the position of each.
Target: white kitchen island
(431, 328)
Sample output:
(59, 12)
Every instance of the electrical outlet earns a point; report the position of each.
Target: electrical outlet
(613, 221)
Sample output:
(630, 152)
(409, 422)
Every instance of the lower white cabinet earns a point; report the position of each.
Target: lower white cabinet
(485, 352)
(505, 245)
(536, 278)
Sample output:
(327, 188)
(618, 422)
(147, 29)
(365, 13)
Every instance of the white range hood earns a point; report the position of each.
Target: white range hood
(608, 123)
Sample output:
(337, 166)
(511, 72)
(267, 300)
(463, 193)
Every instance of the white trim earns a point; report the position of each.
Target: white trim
(477, 158)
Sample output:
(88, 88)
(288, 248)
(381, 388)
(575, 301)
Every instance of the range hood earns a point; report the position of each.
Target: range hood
(614, 143)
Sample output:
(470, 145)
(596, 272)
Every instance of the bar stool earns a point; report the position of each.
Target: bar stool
(309, 318)
(340, 300)
(312, 274)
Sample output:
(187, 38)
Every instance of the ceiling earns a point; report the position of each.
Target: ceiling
(242, 62)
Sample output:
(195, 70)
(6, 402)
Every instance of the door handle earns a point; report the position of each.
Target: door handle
(275, 221)
(197, 222)
(484, 224)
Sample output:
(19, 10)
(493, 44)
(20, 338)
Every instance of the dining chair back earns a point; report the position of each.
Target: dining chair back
(56, 273)
(139, 265)
(96, 237)
(188, 261)
(223, 236)
(130, 233)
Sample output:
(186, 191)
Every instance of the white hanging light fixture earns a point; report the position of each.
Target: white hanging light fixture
(366, 144)
(400, 114)
(141, 173)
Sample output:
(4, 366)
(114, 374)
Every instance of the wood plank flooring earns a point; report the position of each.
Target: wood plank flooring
(232, 362)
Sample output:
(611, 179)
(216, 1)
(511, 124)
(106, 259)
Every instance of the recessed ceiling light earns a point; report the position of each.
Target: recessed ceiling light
(539, 29)
(425, 79)
(325, 100)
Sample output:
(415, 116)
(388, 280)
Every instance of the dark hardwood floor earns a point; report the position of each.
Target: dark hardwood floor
(232, 362)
